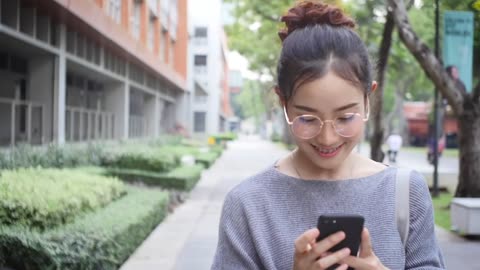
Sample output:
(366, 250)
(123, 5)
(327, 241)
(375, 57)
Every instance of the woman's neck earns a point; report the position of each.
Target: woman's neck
(306, 169)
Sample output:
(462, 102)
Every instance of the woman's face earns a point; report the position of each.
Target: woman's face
(328, 98)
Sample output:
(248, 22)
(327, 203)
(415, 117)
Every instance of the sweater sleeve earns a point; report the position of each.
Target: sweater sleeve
(235, 248)
(422, 249)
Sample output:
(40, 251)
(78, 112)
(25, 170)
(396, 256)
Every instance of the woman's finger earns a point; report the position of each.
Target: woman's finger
(304, 242)
(366, 245)
(334, 258)
(342, 267)
(327, 243)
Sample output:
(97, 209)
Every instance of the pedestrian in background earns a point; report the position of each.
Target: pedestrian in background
(269, 221)
(453, 73)
(394, 143)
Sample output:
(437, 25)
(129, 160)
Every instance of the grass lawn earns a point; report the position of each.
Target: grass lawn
(449, 152)
(441, 205)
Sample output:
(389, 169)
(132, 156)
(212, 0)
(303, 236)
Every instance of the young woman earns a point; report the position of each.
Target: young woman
(269, 220)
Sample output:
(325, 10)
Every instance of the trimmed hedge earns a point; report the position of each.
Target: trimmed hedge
(44, 198)
(206, 159)
(181, 178)
(229, 136)
(103, 239)
(140, 157)
(51, 156)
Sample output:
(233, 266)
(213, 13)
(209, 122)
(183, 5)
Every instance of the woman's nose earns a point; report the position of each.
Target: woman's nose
(328, 135)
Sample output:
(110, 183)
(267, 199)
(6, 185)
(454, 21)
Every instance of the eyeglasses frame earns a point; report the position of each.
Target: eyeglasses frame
(322, 121)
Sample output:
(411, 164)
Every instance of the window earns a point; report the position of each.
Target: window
(200, 32)
(151, 32)
(200, 36)
(200, 60)
(161, 49)
(115, 10)
(173, 14)
(199, 121)
(164, 6)
(135, 19)
(171, 53)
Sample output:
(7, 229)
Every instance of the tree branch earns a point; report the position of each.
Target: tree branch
(264, 15)
(430, 64)
(410, 4)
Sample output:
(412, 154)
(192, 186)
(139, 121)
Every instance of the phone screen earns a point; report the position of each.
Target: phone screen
(351, 225)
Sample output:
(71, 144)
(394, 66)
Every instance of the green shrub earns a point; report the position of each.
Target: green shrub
(166, 140)
(207, 158)
(182, 178)
(189, 174)
(228, 136)
(275, 137)
(103, 239)
(140, 157)
(44, 198)
(217, 149)
(51, 156)
(178, 151)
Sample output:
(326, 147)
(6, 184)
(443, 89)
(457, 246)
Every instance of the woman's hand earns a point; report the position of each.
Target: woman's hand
(310, 254)
(367, 260)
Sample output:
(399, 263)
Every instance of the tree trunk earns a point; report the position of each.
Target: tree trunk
(466, 107)
(430, 64)
(469, 144)
(376, 140)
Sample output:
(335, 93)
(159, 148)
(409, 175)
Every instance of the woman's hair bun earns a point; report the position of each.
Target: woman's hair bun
(310, 13)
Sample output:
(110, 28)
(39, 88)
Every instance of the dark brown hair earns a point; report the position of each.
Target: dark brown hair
(318, 38)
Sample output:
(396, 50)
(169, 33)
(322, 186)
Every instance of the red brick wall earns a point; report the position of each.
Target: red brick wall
(90, 14)
(182, 40)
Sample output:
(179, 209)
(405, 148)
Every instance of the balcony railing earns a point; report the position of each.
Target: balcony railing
(86, 124)
(25, 120)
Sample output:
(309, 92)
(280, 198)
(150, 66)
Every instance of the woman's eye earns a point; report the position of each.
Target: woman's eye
(346, 118)
(307, 119)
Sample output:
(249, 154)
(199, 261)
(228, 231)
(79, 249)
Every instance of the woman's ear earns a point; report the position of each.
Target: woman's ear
(280, 96)
(374, 86)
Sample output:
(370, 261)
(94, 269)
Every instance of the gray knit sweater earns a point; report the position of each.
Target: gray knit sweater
(262, 217)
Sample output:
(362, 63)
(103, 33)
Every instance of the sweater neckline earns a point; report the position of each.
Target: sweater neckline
(297, 180)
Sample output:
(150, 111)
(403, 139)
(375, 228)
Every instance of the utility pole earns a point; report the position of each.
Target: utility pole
(435, 107)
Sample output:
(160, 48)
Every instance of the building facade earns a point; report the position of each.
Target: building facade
(82, 70)
(208, 52)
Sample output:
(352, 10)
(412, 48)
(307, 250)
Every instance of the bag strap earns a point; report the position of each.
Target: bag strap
(402, 203)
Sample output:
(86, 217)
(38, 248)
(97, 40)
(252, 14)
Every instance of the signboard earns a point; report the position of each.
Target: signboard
(458, 43)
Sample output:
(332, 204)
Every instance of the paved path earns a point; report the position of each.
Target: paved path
(416, 159)
(187, 238)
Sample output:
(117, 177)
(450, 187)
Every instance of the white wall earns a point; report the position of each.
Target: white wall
(208, 13)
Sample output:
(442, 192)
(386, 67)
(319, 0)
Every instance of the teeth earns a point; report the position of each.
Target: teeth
(326, 151)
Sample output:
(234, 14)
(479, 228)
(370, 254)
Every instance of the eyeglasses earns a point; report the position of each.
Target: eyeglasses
(308, 126)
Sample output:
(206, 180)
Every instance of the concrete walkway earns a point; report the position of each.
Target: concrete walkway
(187, 238)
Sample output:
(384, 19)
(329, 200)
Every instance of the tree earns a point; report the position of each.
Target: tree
(465, 106)
(375, 26)
(250, 101)
(376, 139)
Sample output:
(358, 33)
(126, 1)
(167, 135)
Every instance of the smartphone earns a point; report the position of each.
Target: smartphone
(351, 225)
